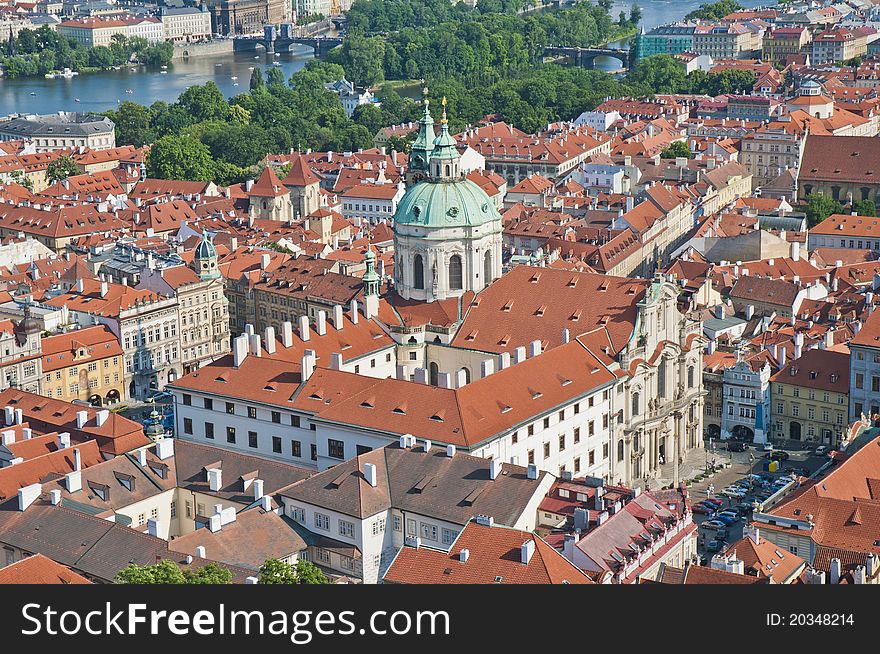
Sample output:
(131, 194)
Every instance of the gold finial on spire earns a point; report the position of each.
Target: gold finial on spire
(425, 96)
(444, 120)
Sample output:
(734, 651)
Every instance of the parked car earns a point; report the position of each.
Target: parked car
(726, 519)
(779, 455)
(768, 447)
(715, 501)
(705, 509)
(714, 545)
(822, 449)
(732, 491)
(729, 513)
(714, 524)
(737, 446)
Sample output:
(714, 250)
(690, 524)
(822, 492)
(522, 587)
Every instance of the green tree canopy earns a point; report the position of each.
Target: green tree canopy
(819, 206)
(168, 572)
(62, 168)
(714, 10)
(274, 571)
(180, 157)
(865, 208)
(675, 150)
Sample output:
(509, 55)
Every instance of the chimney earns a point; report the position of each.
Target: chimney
(487, 367)
(215, 479)
(55, 497)
(79, 286)
(82, 417)
(307, 366)
(857, 327)
(19, 416)
(239, 350)
(581, 519)
(10, 415)
(710, 348)
(265, 260)
(370, 474)
(63, 440)
(200, 551)
(781, 357)
(420, 376)
(494, 468)
(566, 336)
(269, 340)
(460, 378)
(532, 471)
(304, 333)
(73, 481)
(337, 317)
(444, 380)
(215, 523)
(26, 434)
(534, 348)
(450, 451)
(464, 555)
(165, 448)
(287, 333)
(258, 489)
(28, 495)
(568, 546)
(719, 311)
(526, 550)
(519, 354)
(750, 311)
(101, 417)
(835, 572)
(504, 360)
(8, 437)
(336, 362)
(154, 526)
(353, 311)
(142, 457)
(249, 329)
(322, 323)
(266, 503)
(256, 343)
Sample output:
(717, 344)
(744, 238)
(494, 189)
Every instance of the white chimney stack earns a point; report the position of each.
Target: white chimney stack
(63, 440)
(444, 380)
(239, 350)
(322, 323)
(307, 366)
(256, 345)
(200, 551)
(353, 312)
(82, 417)
(215, 479)
(101, 417)
(165, 448)
(534, 348)
(28, 495)
(526, 551)
(269, 340)
(55, 497)
(338, 321)
(154, 527)
(494, 468)
(287, 333)
(450, 451)
(519, 354)
(504, 360)
(304, 333)
(336, 362)
(487, 367)
(370, 474)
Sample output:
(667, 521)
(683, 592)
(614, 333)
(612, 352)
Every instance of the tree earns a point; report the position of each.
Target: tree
(370, 116)
(257, 83)
(21, 179)
(274, 571)
(274, 76)
(180, 157)
(715, 10)
(675, 150)
(819, 207)
(168, 572)
(164, 572)
(865, 208)
(62, 168)
(209, 574)
(363, 59)
(635, 14)
(132, 122)
(204, 102)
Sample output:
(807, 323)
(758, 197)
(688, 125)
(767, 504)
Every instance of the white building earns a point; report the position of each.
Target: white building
(746, 402)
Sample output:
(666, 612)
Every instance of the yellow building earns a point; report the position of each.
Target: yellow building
(86, 365)
(810, 398)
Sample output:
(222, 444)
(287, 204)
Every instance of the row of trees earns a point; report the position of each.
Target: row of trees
(203, 136)
(714, 10)
(663, 74)
(479, 47)
(273, 571)
(36, 52)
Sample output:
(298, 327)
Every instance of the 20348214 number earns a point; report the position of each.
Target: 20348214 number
(810, 619)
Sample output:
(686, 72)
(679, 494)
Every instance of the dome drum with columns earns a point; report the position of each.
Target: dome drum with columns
(447, 231)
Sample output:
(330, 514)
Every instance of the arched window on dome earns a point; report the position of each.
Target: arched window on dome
(447, 170)
(455, 276)
(487, 268)
(418, 272)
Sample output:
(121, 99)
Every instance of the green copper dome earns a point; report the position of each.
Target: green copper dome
(205, 248)
(446, 204)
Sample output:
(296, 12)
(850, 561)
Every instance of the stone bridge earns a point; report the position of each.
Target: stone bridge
(586, 57)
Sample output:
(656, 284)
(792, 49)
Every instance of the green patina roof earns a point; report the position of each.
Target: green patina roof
(205, 248)
(446, 204)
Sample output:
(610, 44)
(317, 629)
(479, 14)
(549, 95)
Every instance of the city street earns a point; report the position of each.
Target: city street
(752, 461)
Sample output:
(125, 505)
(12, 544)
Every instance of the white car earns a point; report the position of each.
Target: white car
(822, 449)
(768, 447)
(733, 492)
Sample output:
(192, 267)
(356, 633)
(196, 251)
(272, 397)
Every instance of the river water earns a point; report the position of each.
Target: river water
(103, 90)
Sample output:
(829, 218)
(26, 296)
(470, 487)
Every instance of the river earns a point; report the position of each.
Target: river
(103, 90)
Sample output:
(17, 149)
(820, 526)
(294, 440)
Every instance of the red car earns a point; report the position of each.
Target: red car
(714, 501)
(706, 509)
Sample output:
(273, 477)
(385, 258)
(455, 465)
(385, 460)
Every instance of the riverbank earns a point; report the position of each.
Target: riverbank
(213, 48)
